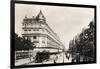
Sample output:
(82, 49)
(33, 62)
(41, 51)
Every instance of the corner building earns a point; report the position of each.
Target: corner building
(41, 35)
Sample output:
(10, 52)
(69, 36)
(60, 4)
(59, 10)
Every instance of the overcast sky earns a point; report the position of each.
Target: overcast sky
(67, 22)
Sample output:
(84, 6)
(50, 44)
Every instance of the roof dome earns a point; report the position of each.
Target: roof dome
(40, 16)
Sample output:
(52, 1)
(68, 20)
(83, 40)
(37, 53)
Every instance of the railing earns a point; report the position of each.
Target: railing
(22, 54)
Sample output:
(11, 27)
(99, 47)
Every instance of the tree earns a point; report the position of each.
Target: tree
(22, 44)
(41, 56)
(84, 43)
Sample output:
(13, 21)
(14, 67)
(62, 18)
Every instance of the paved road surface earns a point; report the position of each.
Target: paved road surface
(57, 58)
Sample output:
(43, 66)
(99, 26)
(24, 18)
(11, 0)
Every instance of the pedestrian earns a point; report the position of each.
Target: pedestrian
(54, 61)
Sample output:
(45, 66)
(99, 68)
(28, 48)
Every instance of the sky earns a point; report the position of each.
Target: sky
(66, 22)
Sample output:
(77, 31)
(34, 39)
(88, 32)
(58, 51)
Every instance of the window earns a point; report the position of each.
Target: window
(34, 37)
(43, 30)
(25, 30)
(35, 29)
(43, 41)
(29, 30)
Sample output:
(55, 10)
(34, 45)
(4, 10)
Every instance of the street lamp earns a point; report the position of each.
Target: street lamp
(63, 55)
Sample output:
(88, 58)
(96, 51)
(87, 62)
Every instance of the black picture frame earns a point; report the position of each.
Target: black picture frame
(12, 30)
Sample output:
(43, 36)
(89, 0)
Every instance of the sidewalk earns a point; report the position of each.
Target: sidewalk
(63, 59)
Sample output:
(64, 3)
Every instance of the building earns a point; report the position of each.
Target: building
(41, 35)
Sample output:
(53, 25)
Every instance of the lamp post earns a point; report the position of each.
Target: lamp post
(63, 55)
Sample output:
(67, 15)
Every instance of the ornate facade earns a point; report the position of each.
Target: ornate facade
(41, 35)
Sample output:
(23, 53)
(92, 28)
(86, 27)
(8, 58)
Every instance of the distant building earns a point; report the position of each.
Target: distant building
(41, 35)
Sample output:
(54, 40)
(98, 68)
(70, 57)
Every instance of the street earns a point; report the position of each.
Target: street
(59, 58)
